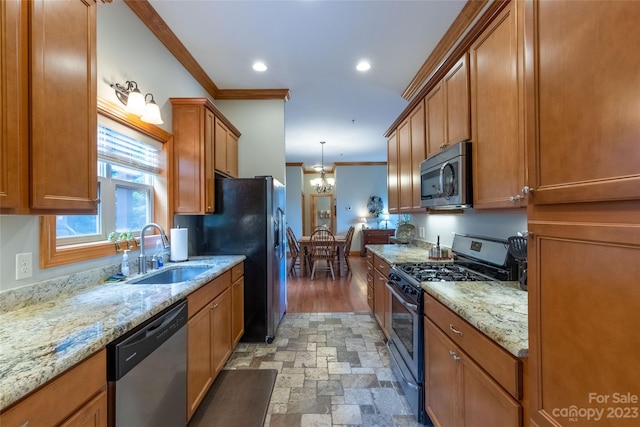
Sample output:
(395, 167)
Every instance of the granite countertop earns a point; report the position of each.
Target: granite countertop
(42, 339)
(497, 309)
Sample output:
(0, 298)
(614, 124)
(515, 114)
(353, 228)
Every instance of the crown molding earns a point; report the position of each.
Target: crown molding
(284, 94)
(462, 22)
(156, 24)
(159, 27)
(360, 163)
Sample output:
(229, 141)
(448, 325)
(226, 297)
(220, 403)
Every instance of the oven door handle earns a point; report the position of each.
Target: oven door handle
(411, 307)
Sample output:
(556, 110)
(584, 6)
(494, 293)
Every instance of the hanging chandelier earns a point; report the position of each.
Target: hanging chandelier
(323, 184)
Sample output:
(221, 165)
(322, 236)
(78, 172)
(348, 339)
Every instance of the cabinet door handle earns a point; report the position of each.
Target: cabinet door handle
(215, 305)
(454, 330)
(454, 355)
(526, 190)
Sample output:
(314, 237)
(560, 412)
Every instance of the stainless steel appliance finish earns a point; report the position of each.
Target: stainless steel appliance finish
(406, 357)
(445, 178)
(147, 372)
(476, 258)
(248, 220)
(406, 337)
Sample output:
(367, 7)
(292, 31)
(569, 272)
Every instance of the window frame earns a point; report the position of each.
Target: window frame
(52, 255)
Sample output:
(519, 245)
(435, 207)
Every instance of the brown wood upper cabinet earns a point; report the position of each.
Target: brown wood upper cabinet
(405, 151)
(196, 125)
(392, 173)
(411, 151)
(447, 109)
(226, 150)
(48, 135)
(497, 116)
(582, 101)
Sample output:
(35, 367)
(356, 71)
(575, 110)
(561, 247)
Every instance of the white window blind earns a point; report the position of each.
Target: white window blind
(117, 148)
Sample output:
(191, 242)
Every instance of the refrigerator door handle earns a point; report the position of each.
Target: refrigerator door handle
(279, 236)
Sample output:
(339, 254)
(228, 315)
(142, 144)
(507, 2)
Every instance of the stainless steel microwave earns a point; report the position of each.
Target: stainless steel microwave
(445, 178)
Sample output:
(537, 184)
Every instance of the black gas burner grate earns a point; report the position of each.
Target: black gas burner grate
(439, 272)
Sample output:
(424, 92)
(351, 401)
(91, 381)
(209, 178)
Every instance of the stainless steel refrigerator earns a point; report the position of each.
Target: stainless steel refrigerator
(248, 220)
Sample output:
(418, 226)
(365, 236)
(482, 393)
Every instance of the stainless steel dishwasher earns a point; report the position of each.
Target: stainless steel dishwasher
(147, 372)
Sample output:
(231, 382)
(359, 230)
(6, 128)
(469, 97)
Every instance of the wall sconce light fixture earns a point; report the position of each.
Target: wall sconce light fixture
(137, 104)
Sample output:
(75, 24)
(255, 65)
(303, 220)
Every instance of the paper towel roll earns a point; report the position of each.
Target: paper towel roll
(179, 244)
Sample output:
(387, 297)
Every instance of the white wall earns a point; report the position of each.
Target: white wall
(354, 186)
(294, 194)
(261, 146)
(127, 50)
(498, 224)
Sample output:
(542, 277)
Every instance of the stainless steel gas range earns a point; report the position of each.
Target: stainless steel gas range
(475, 258)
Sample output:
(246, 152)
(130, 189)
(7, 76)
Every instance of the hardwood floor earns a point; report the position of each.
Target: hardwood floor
(323, 295)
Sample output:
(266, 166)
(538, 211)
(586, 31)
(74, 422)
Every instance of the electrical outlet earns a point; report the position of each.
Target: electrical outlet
(24, 266)
(420, 231)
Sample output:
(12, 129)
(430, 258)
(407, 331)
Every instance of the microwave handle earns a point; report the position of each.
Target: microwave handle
(443, 193)
(441, 189)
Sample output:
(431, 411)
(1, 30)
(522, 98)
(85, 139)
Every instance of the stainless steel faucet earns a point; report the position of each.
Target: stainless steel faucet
(142, 258)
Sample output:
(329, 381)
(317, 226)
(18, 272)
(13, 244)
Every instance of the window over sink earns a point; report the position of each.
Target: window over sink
(127, 167)
(131, 186)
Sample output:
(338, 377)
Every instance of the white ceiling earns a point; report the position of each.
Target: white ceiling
(312, 47)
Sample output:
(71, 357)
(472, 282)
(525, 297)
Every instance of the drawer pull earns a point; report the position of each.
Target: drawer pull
(454, 330)
(454, 355)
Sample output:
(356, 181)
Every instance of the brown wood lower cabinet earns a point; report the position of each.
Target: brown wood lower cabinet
(237, 313)
(221, 328)
(211, 335)
(370, 283)
(76, 398)
(216, 324)
(377, 275)
(458, 392)
(469, 379)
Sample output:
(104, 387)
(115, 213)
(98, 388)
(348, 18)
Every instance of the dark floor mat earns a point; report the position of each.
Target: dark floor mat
(237, 398)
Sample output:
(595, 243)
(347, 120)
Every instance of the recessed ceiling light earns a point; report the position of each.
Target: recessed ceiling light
(363, 66)
(259, 66)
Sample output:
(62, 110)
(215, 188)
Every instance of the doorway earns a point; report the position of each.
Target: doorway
(322, 212)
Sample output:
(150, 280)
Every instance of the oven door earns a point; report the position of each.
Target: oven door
(405, 331)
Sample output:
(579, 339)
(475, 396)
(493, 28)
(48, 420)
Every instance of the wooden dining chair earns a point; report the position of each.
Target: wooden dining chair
(323, 249)
(347, 247)
(294, 250)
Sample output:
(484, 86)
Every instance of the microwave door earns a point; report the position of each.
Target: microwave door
(430, 185)
(440, 186)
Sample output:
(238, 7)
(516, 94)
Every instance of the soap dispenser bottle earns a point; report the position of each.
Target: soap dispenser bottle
(159, 253)
(125, 263)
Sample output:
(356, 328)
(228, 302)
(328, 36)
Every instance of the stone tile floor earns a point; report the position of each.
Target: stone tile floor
(333, 370)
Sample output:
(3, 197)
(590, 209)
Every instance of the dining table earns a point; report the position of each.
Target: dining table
(305, 248)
